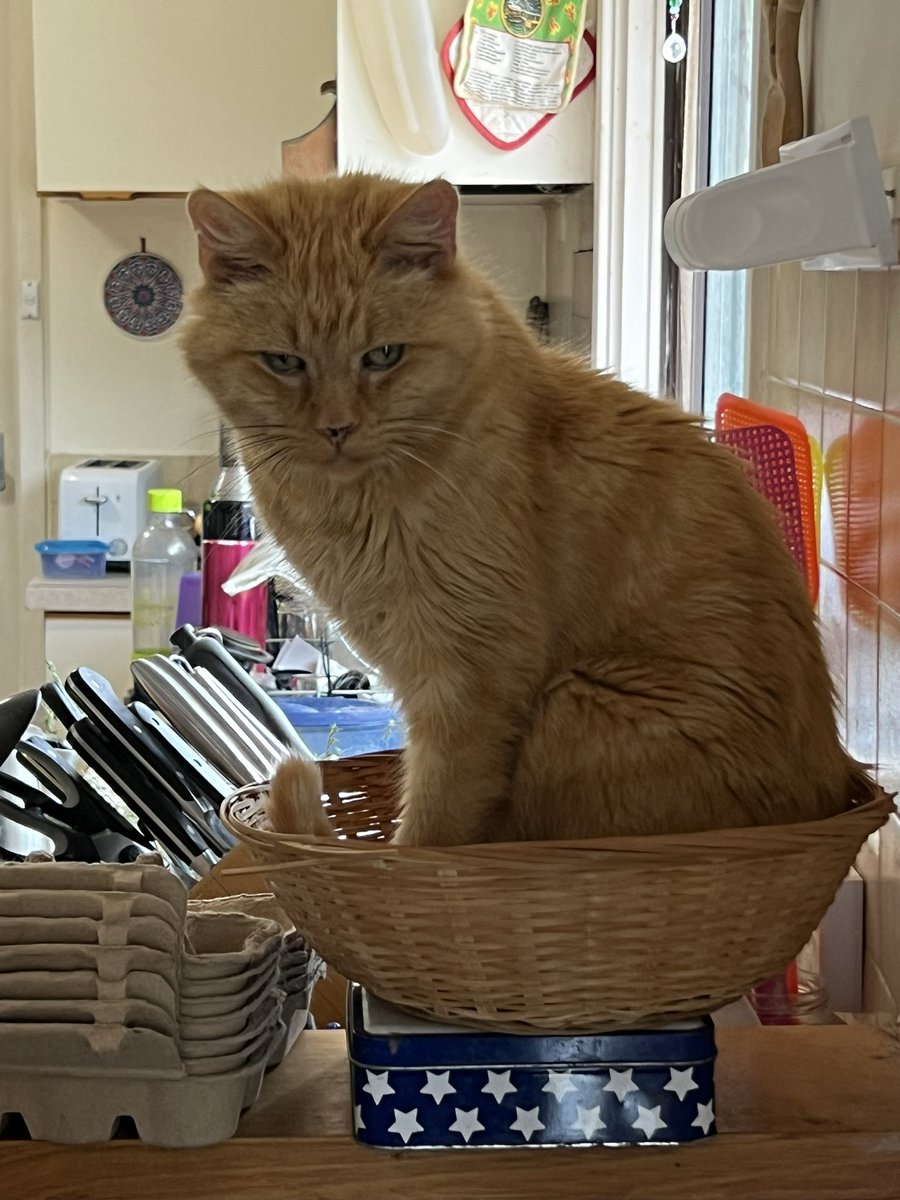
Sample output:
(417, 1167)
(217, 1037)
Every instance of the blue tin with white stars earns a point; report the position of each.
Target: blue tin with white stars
(417, 1084)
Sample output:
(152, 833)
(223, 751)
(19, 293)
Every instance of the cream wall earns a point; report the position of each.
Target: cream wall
(110, 392)
(21, 360)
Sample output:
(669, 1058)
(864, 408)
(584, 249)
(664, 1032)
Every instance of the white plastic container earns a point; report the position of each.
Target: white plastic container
(825, 199)
(399, 47)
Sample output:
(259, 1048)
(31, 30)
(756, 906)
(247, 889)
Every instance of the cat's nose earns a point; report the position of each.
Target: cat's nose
(337, 434)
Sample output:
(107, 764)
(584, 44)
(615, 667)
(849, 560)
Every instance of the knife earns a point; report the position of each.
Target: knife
(273, 751)
(79, 806)
(211, 786)
(16, 714)
(169, 687)
(67, 843)
(206, 651)
(62, 706)
(98, 698)
(208, 779)
(137, 787)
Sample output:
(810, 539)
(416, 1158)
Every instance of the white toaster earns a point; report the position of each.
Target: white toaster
(106, 498)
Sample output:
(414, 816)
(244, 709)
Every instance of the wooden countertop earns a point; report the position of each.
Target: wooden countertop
(811, 1112)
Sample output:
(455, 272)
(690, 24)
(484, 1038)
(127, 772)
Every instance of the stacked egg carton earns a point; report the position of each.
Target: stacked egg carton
(117, 1000)
(300, 968)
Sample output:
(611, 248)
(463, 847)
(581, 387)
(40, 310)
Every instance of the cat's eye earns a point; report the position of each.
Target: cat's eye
(283, 364)
(382, 357)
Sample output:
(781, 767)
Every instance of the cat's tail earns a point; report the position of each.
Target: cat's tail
(294, 802)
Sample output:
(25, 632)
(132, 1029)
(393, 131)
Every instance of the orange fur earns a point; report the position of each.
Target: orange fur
(294, 800)
(588, 615)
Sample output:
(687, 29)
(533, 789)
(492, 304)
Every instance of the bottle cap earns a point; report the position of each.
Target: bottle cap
(164, 500)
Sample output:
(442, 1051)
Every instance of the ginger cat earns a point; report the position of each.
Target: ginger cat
(588, 615)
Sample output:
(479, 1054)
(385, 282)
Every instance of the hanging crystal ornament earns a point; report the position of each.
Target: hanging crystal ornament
(674, 47)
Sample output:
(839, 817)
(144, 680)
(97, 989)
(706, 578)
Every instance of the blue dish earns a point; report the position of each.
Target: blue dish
(339, 726)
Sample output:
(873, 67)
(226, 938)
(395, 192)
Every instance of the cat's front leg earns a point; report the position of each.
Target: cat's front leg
(458, 770)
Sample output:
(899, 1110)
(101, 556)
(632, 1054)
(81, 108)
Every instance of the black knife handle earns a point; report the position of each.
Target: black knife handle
(138, 744)
(62, 706)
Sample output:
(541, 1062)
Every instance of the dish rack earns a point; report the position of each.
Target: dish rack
(119, 997)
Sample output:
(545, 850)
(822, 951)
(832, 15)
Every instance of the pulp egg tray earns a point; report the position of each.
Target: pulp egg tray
(118, 999)
(193, 1110)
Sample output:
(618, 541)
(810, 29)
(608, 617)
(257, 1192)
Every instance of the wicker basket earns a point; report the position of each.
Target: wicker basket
(562, 936)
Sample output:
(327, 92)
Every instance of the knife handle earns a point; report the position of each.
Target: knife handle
(206, 651)
(60, 704)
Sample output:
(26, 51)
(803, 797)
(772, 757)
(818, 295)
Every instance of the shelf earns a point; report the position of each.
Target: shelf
(802, 1112)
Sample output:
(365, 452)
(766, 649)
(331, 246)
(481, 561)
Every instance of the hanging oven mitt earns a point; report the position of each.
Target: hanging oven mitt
(510, 128)
(520, 53)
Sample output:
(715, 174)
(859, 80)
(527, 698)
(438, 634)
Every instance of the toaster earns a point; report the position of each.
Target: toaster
(106, 498)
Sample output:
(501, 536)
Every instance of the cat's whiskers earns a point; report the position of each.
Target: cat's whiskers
(416, 428)
(261, 452)
(440, 474)
(209, 460)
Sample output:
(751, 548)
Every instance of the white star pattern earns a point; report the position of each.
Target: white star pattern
(649, 1120)
(358, 1122)
(498, 1085)
(621, 1083)
(705, 1116)
(527, 1122)
(466, 1123)
(406, 1124)
(377, 1085)
(588, 1121)
(681, 1082)
(559, 1084)
(438, 1086)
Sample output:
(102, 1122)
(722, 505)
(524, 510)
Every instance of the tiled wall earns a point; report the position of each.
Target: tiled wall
(832, 357)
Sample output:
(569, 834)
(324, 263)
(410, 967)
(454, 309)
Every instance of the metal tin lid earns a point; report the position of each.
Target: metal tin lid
(685, 1042)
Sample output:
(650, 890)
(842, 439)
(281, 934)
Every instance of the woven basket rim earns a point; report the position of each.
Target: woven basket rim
(764, 840)
(569, 936)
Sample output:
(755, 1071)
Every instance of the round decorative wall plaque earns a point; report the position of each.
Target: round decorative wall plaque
(143, 294)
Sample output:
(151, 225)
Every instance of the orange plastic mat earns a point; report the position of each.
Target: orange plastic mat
(736, 412)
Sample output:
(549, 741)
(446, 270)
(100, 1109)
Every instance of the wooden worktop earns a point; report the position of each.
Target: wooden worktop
(811, 1112)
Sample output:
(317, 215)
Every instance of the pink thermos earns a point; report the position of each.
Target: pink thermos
(229, 534)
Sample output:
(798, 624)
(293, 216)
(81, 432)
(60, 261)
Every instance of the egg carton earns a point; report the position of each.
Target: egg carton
(97, 877)
(71, 1108)
(118, 999)
(89, 985)
(224, 944)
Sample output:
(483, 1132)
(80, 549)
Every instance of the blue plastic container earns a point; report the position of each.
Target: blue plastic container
(339, 726)
(67, 559)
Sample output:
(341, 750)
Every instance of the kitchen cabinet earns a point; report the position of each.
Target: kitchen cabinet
(103, 643)
(87, 623)
(562, 152)
(132, 96)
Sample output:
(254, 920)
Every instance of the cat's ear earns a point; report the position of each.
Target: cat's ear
(421, 232)
(232, 244)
